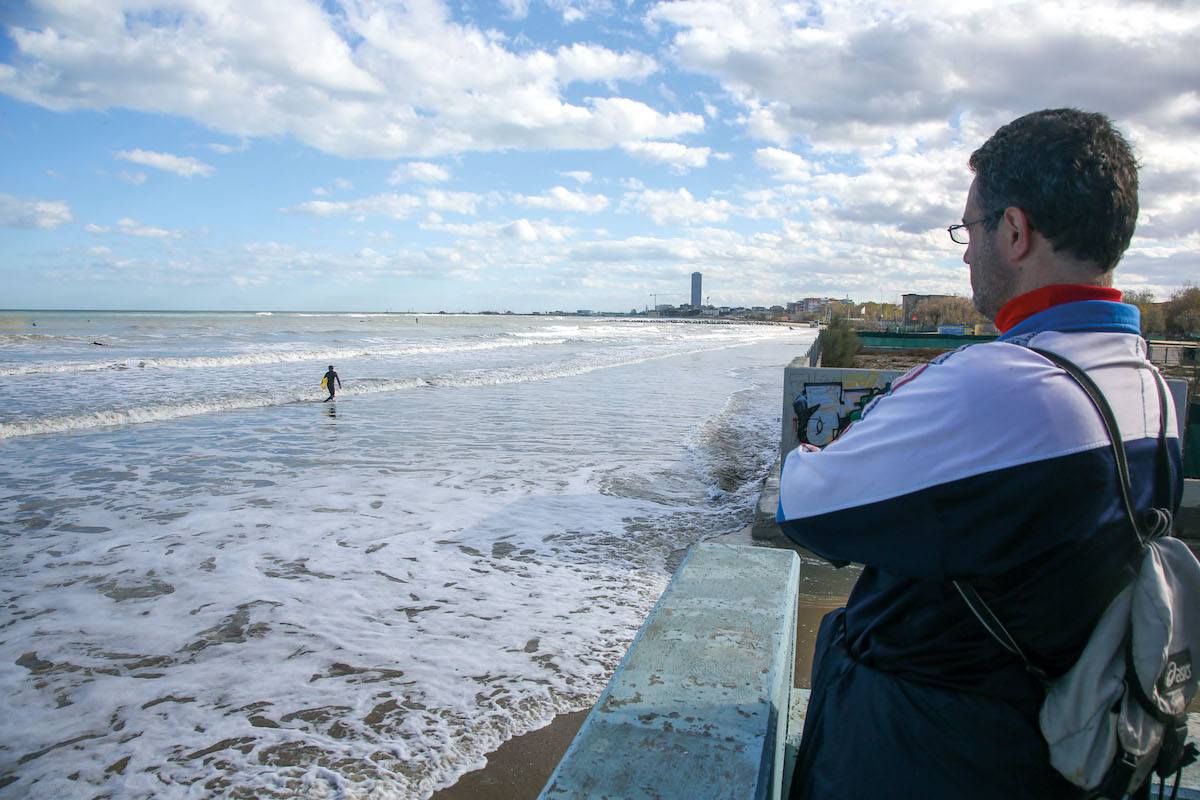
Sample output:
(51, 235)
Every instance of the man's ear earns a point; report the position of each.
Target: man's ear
(1015, 233)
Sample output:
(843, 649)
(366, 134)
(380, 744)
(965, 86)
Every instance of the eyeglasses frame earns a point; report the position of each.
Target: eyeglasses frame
(955, 228)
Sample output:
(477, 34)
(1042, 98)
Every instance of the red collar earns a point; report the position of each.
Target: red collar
(1021, 308)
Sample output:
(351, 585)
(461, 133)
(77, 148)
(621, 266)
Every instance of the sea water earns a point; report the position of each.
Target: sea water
(216, 585)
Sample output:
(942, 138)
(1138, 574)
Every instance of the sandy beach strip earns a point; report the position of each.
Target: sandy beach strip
(520, 768)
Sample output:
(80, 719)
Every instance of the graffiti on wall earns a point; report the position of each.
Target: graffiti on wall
(825, 409)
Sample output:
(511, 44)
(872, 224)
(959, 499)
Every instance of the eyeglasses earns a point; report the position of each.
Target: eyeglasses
(961, 234)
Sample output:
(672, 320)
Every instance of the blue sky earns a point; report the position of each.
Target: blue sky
(533, 156)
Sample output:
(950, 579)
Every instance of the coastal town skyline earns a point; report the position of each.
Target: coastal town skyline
(552, 154)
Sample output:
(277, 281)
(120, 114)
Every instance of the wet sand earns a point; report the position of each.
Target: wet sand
(521, 766)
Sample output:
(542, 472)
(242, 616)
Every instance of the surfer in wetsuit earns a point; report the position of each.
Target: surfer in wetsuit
(330, 378)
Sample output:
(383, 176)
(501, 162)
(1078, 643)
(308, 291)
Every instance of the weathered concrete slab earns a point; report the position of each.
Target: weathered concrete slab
(764, 527)
(698, 709)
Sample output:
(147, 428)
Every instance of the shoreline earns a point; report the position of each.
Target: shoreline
(521, 767)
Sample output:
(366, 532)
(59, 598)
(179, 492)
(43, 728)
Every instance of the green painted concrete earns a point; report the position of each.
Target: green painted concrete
(699, 707)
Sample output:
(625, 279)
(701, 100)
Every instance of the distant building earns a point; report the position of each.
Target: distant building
(696, 290)
(811, 305)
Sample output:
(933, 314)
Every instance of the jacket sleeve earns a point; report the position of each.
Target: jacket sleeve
(938, 472)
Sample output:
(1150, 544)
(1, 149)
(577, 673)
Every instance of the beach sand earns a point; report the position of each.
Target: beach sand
(521, 766)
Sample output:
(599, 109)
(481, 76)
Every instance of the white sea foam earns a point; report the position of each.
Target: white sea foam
(269, 357)
(358, 599)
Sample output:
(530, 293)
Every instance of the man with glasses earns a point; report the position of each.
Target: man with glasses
(988, 464)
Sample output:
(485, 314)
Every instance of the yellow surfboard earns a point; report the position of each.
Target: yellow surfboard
(323, 382)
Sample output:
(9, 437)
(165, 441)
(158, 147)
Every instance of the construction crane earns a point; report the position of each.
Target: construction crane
(655, 295)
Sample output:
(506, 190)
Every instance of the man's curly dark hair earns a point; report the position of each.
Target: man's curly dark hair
(1072, 173)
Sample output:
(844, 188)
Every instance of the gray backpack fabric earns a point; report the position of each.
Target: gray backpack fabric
(1120, 713)
(1123, 702)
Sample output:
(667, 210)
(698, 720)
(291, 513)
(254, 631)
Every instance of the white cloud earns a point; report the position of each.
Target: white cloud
(395, 206)
(854, 77)
(786, 165)
(517, 9)
(460, 202)
(521, 230)
(563, 199)
(850, 124)
(589, 62)
(422, 171)
(21, 212)
(226, 149)
(638, 248)
(536, 231)
(677, 207)
(679, 157)
(338, 183)
(186, 167)
(131, 227)
(372, 80)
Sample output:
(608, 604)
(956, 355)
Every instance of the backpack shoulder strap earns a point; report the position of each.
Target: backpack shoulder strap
(1144, 532)
(1158, 519)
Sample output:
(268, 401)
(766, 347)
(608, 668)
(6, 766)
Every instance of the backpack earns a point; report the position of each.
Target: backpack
(1120, 712)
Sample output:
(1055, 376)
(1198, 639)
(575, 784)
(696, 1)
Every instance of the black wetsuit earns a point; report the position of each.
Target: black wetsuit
(330, 377)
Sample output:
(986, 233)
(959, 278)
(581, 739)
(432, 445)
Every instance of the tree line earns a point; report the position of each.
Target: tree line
(1177, 316)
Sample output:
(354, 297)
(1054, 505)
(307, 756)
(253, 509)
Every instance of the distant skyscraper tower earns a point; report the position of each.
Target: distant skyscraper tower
(695, 290)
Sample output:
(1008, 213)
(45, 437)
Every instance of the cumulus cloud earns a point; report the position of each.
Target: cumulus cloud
(24, 212)
(886, 100)
(394, 206)
(422, 171)
(186, 167)
(359, 80)
(853, 77)
(563, 199)
(677, 207)
(128, 226)
(850, 123)
(458, 202)
(677, 156)
(784, 164)
(519, 230)
(638, 248)
(226, 149)
(131, 227)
